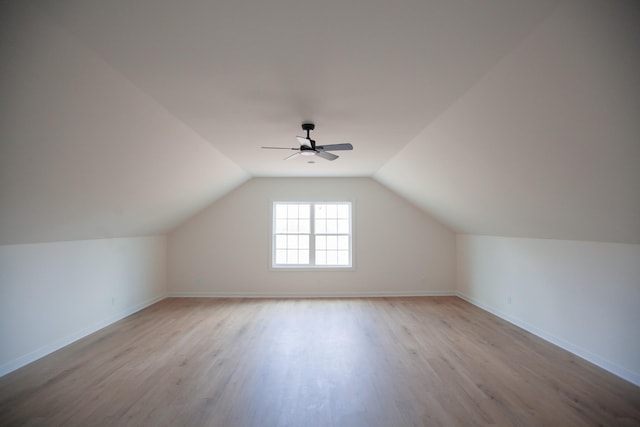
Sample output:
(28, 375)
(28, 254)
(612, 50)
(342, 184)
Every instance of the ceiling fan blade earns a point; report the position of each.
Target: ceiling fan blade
(292, 156)
(308, 146)
(326, 155)
(303, 141)
(335, 147)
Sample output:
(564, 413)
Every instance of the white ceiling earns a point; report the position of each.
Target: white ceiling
(498, 117)
(83, 152)
(547, 144)
(247, 73)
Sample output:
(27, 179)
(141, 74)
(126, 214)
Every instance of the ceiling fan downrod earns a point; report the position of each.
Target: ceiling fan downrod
(309, 127)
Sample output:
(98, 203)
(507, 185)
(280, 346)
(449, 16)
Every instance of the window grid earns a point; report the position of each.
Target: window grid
(291, 237)
(312, 234)
(332, 231)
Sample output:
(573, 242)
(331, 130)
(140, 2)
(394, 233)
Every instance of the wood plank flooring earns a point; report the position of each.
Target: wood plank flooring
(314, 362)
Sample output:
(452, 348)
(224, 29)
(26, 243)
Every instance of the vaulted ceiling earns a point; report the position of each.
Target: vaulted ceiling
(513, 118)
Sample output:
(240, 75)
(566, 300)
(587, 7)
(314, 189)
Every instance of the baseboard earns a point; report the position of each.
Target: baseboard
(58, 344)
(310, 294)
(615, 369)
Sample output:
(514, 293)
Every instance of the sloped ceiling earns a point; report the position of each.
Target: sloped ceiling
(502, 117)
(84, 153)
(547, 144)
(246, 73)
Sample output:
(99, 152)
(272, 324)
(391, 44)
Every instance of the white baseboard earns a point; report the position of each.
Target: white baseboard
(58, 344)
(309, 295)
(619, 371)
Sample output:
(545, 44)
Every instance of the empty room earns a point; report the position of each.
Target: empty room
(319, 213)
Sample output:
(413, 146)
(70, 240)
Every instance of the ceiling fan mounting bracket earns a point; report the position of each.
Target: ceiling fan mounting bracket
(308, 126)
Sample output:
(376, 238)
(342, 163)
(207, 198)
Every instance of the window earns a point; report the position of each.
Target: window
(311, 234)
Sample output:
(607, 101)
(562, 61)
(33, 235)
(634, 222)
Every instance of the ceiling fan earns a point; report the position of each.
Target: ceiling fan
(308, 146)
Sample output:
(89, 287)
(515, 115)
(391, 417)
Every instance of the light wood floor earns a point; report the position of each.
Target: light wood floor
(319, 362)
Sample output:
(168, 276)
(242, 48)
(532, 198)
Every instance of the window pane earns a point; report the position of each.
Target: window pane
(343, 226)
(292, 242)
(303, 242)
(281, 241)
(304, 226)
(332, 242)
(304, 211)
(332, 211)
(321, 211)
(332, 257)
(321, 257)
(281, 257)
(292, 226)
(321, 226)
(343, 211)
(292, 211)
(343, 243)
(292, 256)
(321, 242)
(281, 210)
(343, 258)
(281, 226)
(303, 257)
(332, 226)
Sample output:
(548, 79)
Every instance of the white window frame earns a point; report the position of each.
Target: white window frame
(312, 236)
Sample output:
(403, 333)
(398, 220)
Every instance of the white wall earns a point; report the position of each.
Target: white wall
(52, 294)
(225, 250)
(582, 296)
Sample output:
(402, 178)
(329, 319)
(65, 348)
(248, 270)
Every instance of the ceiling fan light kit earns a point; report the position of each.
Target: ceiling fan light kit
(308, 146)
